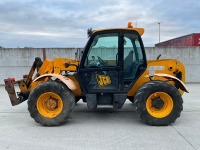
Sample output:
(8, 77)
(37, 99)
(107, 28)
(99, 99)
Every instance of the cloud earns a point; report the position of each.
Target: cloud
(64, 23)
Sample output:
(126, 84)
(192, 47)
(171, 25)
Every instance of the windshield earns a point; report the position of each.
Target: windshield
(103, 51)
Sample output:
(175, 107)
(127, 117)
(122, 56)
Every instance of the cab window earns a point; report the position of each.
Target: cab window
(133, 56)
(103, 51)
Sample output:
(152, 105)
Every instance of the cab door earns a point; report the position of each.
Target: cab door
(100, 68)
(134, 59)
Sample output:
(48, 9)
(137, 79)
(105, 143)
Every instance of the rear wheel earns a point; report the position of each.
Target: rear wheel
(158, 103)
(51, 103)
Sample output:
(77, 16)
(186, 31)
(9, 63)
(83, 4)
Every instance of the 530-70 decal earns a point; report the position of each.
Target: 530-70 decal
(103, 80)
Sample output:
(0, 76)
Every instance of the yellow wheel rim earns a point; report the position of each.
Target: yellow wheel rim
(159, 104)
(49, 105)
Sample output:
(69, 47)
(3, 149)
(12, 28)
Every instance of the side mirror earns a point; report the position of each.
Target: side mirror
(67, 64)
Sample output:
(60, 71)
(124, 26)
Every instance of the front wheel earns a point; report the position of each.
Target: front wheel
(158, 103)
(51, 103)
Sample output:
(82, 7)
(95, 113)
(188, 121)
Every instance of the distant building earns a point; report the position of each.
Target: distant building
(187, 40)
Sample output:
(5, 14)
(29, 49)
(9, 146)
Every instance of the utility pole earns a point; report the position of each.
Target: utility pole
(159, 30)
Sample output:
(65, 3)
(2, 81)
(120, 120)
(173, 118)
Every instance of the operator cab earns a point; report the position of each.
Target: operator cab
(112, 61)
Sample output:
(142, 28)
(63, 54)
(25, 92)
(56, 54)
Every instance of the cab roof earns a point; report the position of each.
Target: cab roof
(139, 30)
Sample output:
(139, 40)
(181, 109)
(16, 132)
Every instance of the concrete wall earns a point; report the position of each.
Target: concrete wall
(17, 62)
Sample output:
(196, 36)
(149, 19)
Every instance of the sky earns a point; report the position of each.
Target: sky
(64, 23)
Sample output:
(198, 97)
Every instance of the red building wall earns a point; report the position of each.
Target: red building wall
(188, 40)
(197, 39)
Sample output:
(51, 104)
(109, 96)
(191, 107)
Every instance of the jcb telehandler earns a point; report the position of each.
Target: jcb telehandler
(113, 68)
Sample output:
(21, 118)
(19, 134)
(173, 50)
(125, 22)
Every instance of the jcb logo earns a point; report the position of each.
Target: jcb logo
(103, 80)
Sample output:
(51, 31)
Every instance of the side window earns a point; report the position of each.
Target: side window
(103, 51)
(128, 49)
(132, 55)
(139, 50)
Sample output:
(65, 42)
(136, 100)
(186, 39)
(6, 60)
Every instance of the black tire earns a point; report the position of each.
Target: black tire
(77, 99)
(131, 99)
(144, 94)
(65, 97)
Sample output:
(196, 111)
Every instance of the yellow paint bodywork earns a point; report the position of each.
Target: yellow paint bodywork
(59, 65)
(77, 91)
(55, 67)
(168, 66)
(139, 30)
(22, 86)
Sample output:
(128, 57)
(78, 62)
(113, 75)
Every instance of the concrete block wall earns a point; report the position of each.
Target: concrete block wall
(17, 62)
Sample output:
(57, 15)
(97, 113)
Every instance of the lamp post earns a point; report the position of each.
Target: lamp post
(159, 30)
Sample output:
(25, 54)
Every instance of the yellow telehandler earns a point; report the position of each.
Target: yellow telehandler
(112, 68)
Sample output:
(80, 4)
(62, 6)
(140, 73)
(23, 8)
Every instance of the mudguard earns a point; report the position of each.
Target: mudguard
(67, 81)
(178, 81)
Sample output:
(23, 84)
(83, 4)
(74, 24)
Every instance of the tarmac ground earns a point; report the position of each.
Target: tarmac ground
(101, 129)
